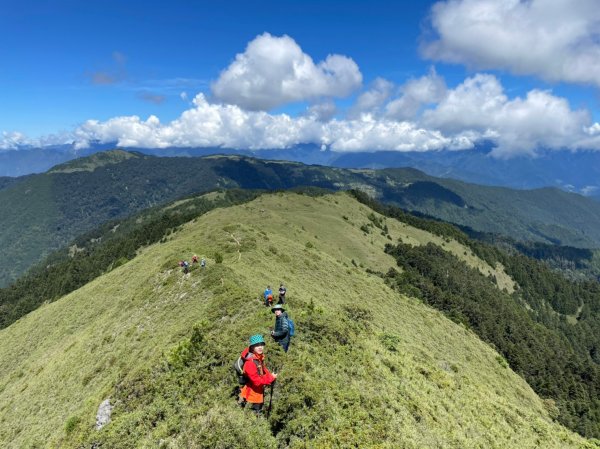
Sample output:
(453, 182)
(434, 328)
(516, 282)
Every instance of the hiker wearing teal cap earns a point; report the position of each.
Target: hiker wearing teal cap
(256, 373)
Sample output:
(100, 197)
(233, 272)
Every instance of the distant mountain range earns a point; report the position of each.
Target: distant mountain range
(570, 171)
(27, 160)
(42, 212)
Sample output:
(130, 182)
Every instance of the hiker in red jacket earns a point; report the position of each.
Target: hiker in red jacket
(256, 373)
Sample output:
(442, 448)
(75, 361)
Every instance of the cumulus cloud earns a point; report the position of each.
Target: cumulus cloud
(415, 94)
(369, 134)
(519, 125)
(405, 102)
(274, 71)
(323, 112)
(593, 130)
(16, 140)
(210, 124)
(12, 140)
(477, 109)
(423, 114)
(373, 99)
(557, 40)
(206, 124)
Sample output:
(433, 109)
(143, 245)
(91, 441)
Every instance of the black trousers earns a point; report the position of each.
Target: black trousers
(256, 408)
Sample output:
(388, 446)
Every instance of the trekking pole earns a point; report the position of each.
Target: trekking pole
(270, 399)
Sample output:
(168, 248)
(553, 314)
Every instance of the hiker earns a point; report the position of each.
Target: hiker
(282, 292)
(194, 259)
(186, 267)
(256, 373)
(203, 263)
(268, 296)
(281, 332)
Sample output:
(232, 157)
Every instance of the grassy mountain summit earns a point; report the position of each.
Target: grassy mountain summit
(91, 163)
(369, 367)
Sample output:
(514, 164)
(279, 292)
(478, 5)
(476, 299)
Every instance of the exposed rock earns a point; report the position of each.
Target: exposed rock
(103, 415)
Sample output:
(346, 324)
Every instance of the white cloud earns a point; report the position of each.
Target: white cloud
(473, 104)
(204, 125)
(475, 110)
(323, 112)
(415, 94)
(411, 97)
(589, 190)
(557, 40)
(369, 134)
(373, 99)
(424, 114)
(126, 131)
(209, 124)
(593, 130)
(519, 125)
(16, 140)
(12, 140)
(274, 71)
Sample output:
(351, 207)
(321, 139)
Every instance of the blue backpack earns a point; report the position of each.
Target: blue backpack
(291, 327)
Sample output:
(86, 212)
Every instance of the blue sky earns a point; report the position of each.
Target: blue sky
(351, 75)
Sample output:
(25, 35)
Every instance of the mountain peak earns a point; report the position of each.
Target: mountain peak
(97, 160)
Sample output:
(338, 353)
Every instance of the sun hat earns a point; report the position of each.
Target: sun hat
(257, 340)
(277, 307)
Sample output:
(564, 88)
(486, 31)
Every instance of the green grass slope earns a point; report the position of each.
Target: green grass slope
(369, 367)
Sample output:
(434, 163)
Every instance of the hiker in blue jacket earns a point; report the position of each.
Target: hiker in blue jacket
(281, 332)
(268, 296)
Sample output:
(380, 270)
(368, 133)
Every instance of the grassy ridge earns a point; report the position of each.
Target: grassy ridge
(369, 367)
(102, 250)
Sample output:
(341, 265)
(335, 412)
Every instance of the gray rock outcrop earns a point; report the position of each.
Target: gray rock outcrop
(103, 415)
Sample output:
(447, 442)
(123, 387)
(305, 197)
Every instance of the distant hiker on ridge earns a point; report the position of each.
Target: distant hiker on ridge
(268, 296)
(282, 292)
(256, 373)
(281, 333)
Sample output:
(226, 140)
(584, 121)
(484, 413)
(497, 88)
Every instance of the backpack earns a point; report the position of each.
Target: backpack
(291, 327)
(238, 366)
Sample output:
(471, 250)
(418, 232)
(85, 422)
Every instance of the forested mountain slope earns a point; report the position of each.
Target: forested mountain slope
(40, 213)
(103, 249)
(369, 367)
